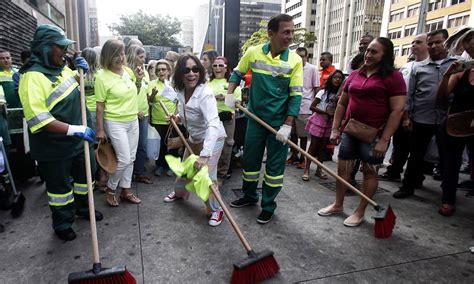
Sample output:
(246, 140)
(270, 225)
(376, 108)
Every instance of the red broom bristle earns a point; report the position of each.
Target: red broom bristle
(257, 272)
(383, 228)
(122, 278)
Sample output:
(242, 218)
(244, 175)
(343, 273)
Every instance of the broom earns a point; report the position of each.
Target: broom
(384, 218)
(256, 267)
(97, 274)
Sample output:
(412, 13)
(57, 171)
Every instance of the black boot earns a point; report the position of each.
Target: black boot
(98, 215)
(66, 234)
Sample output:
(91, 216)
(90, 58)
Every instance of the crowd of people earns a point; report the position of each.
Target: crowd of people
(358, 110)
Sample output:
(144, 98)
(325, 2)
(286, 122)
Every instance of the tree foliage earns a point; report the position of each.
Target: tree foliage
(150, 29)
(301, 37)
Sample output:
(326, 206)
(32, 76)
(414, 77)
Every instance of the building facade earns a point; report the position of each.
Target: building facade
(187, 31)
(403, 19)
(339, 25)
(303, 13)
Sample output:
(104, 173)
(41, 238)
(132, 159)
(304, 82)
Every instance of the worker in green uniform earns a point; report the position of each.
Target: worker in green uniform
(6, 79)
(275, 97)
(51, 104)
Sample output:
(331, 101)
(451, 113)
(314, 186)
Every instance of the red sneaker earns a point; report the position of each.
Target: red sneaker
(216, 218)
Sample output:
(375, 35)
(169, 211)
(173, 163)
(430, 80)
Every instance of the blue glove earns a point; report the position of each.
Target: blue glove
(80, 131)
(81, 63)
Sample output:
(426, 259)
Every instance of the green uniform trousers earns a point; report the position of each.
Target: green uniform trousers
(66, 197)
(256, 139)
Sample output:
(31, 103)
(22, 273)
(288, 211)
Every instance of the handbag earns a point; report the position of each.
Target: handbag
(173, 142)
(460, 124)
(361, 131)
(225, 116)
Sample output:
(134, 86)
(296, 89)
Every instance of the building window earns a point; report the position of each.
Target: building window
(454, 2)
(395, 35)
(297, 15)
(410, 31)
(313, 12)
(396, 16)
(291, 8)
(458, 21)
(434, 26)
(313, 23)
(297, 26)
(413, 11)
(406, 51)
(436, 4)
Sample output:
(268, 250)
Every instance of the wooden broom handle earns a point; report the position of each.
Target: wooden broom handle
(307, 155)
(90, 192)
(213, 187)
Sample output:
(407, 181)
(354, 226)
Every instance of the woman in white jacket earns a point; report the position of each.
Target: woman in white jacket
(197, 111)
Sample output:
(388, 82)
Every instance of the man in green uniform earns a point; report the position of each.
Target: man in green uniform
(51, 104)
(6, 79)
(275, 97)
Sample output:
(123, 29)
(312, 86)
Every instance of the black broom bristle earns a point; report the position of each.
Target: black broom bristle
(259, 270)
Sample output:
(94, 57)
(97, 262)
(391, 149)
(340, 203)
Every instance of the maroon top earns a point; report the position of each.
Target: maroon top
(369, 97)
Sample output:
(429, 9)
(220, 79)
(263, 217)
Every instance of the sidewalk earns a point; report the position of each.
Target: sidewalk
(172, 243)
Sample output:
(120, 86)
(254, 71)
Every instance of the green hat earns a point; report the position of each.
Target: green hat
(52, 34)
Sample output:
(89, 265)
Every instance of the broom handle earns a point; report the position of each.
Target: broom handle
(90, 193)
(307, 155)
(213, 187)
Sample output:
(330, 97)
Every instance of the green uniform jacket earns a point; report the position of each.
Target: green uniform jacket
(8, 85)
(277, 83)
(49, 98)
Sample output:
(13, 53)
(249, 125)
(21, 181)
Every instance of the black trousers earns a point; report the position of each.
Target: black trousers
(419, 141)
(453, 148)
(401, 150)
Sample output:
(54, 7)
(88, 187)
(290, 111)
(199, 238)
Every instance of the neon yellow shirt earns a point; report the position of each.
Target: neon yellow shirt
(158, 115)
(143, 95)
(89, 83)
(118, 93)
(219, 87)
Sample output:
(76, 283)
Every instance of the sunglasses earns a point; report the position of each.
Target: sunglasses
(195, 69)
(219, 65)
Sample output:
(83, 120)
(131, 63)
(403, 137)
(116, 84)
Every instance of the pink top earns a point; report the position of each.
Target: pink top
(369, 97)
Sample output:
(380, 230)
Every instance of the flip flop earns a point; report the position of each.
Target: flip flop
(305, 177)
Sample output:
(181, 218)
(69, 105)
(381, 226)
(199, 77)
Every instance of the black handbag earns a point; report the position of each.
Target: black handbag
(225, 116)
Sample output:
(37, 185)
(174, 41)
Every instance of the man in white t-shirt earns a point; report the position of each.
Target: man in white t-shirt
(310, 88)
(401, 138)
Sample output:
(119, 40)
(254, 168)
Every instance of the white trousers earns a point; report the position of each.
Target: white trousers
(124, 138)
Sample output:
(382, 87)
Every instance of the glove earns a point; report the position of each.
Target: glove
(81, 63)
(230, 101)
(283, 133)
(80, 131)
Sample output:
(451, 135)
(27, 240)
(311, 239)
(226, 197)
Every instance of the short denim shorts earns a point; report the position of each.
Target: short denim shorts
(353, 149)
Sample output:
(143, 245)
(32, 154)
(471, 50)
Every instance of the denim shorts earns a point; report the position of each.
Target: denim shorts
(353, 149)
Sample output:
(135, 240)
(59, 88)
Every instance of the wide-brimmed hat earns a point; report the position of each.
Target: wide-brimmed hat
(105, 156)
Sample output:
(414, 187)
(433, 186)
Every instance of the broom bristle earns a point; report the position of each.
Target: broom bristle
(117, 278)
(384, 227)
(259, 271)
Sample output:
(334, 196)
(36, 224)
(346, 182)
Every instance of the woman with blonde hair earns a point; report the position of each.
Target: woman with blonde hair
(116, 89)
(150, 68)
(136, 60)
(158, 115)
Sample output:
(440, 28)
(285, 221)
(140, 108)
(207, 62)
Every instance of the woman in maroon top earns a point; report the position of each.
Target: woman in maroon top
(374, 95)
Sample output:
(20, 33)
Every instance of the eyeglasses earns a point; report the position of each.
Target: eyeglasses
(195, 69)
(219, 65)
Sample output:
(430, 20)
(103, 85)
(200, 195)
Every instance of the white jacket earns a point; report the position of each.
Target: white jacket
(201, 119)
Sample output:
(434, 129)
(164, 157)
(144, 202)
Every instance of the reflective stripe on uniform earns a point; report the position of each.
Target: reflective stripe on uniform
(296, 89)
(273, 181)
(6, 79)
(271, 68)
(80, 188)
(60, 199)
(250, 176)
(39, 118)
(61, 89)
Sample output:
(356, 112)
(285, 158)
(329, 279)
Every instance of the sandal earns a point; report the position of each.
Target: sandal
(319, 173)
(110, 197)
(130, 197)
(305, 177)
(143, 179)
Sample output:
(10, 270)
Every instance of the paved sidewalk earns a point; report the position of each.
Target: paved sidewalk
(172, 243)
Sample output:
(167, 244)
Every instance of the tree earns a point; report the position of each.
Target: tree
(150, 29)
(261, 36)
